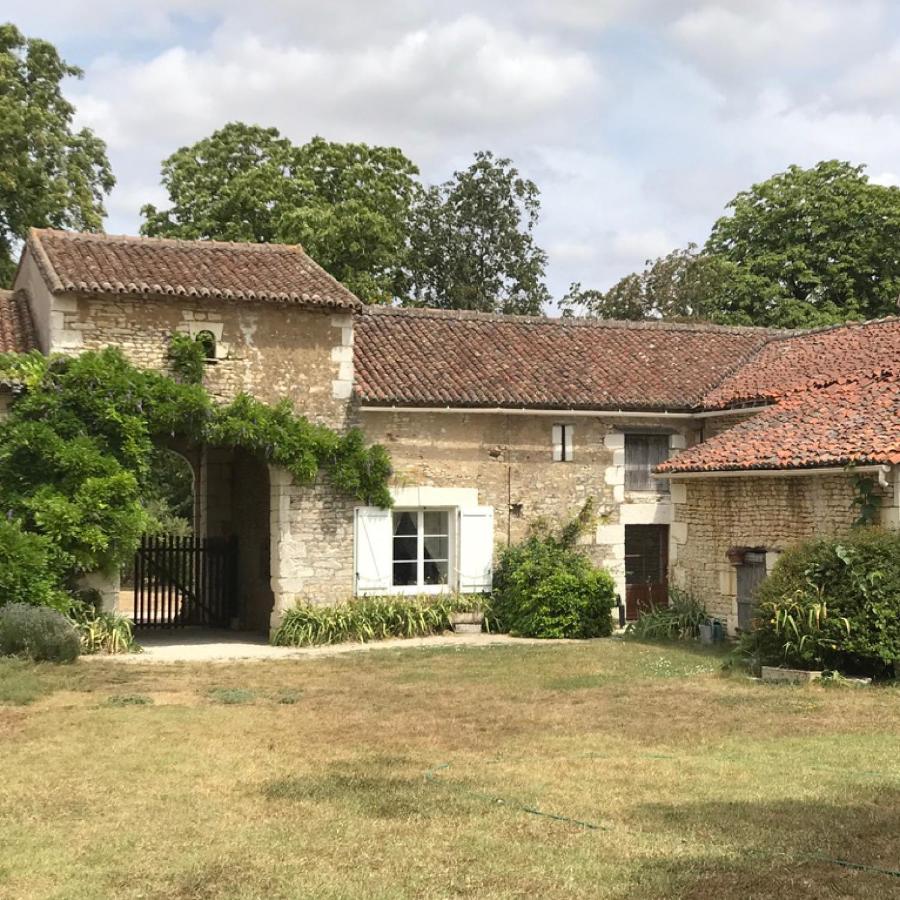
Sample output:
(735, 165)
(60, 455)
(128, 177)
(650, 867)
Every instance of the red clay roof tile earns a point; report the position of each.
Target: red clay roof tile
(852, 421)
(113, 264)
(17, 333)
(425, 357)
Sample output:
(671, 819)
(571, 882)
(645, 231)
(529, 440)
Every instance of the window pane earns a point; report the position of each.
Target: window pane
(405, 523)
(436, 571)
(405, 574)
(436, 522)
(437, 547)
(406, 548)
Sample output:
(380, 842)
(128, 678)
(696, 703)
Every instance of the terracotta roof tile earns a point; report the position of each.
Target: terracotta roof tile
(417, 357)
(811, 358)
(17, 333)
(107, 264)
(853, 420)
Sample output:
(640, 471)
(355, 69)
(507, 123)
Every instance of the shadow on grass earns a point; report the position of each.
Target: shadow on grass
(783, 849)
(378, 788)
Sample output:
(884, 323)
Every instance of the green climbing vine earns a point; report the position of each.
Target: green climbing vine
(867, 500)
(187, 358)
(76, 450)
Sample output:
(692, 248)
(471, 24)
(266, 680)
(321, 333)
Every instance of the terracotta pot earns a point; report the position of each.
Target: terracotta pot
(735, 555)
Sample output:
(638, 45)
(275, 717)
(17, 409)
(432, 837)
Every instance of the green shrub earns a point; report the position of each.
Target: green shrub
(545, 588)
(38, 633)
(680, 620)
(370, 619)
(26, 571)
(832, 604)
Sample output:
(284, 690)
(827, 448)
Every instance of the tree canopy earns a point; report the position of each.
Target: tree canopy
(806, 247)
(348, 204)
(50, 175)
(472, 242)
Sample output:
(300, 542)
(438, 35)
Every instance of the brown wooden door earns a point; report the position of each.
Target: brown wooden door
(646, 568)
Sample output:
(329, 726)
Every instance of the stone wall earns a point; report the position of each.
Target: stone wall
(508, 460)
(768, 513)
(312, 543)
(270, 351)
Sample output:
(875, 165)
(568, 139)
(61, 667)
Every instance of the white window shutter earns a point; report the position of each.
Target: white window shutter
(373, 550)
(569, 433)
(476, 549)
(557, 437)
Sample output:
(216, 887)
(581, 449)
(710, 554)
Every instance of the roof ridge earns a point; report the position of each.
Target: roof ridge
(203, 243)
(426, 312)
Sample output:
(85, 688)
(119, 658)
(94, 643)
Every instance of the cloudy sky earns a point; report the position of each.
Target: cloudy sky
(638, 119)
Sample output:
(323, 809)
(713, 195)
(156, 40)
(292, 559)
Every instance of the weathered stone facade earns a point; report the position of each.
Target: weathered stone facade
(270, 351)
(507, 458)
(767, 513)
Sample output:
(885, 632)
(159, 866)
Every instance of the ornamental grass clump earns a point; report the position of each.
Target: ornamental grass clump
(679, 621)
(369, 619)
(545, 587)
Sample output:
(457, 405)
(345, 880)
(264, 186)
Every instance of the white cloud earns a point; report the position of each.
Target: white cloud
(639, 119)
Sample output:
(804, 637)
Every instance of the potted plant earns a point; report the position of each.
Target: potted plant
(467, 615)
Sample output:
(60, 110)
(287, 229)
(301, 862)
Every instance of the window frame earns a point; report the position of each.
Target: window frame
(420, 587)
(566, 441)
(654, 485)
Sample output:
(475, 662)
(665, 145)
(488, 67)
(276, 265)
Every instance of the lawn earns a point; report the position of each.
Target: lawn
(441, 773)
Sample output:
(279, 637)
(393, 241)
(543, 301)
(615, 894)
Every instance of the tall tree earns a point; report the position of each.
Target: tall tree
(806, 247)
(685, 284)
(348, 204)
(50, 175)
(472, 242)
(822, 243)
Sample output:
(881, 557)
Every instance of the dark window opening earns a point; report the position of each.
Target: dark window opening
(208, 340)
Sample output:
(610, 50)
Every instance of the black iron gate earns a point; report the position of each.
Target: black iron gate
(181, 581)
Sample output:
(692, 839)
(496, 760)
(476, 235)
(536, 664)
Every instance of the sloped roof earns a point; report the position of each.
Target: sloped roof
(852, 421)
(17, 334)
(425, 357)
(116, 264)
(817, 357)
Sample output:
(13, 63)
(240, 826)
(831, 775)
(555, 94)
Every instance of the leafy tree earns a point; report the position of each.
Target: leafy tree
(50, 175)
(472, 242)
(820, 242)
(806, 247)
(348, 204)
(685, 284)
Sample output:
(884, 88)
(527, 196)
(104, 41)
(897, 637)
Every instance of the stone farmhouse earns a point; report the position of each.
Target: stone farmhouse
(707, 449)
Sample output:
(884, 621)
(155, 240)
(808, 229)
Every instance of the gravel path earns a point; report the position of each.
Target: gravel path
(227, 646)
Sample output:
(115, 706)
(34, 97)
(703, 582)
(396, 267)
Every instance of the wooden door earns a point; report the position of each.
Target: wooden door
(749, 575)
(646, 568)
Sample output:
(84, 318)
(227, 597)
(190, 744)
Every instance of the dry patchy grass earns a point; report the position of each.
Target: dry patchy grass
(307, 778)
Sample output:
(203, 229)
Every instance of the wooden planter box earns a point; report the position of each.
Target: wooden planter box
(466, 622)
(801, 676)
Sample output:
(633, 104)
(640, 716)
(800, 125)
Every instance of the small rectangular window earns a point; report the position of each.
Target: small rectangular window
(421, 548)
(563, 442)
(643, 453)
